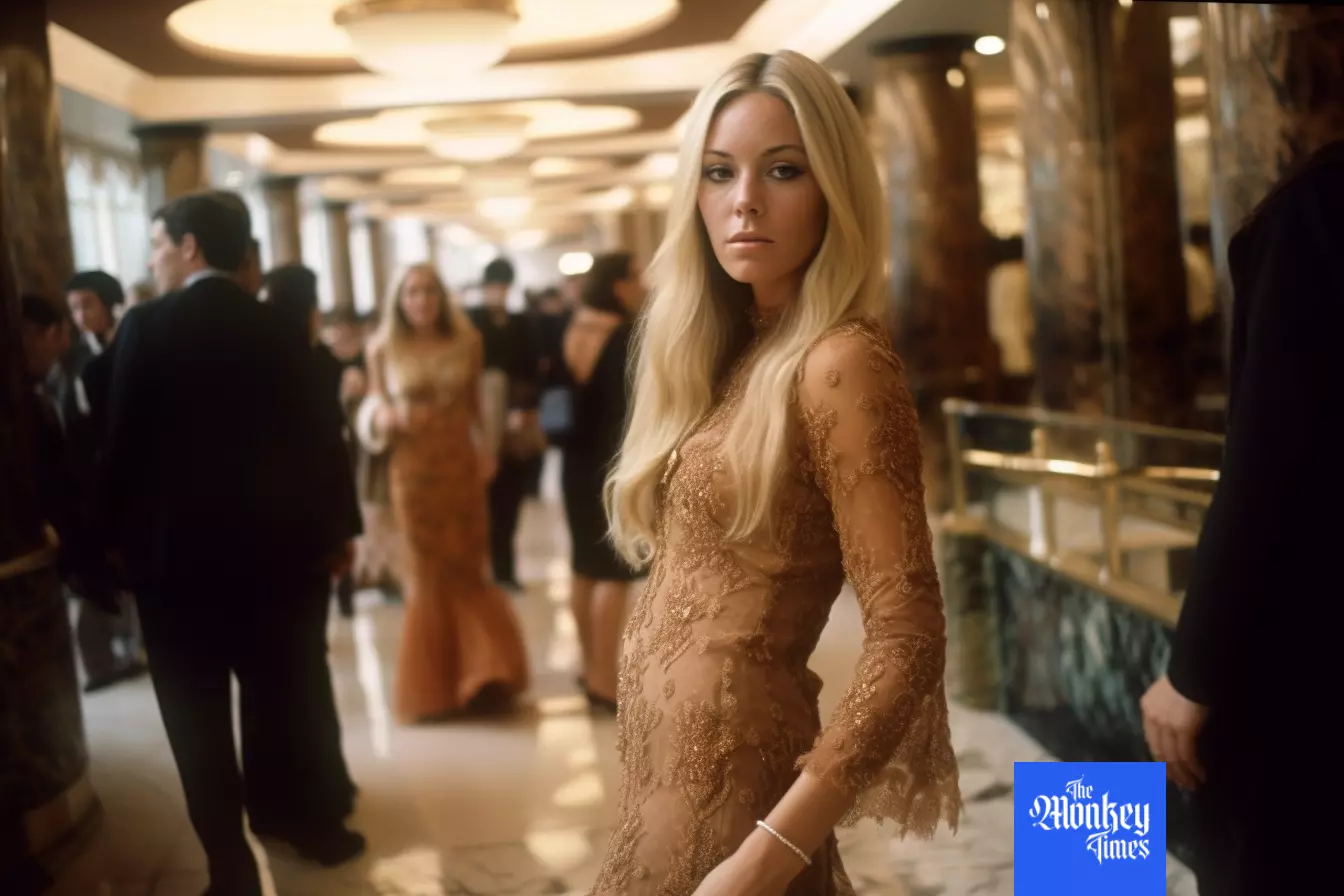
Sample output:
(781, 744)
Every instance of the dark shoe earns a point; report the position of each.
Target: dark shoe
(236, 877)
(326, 846)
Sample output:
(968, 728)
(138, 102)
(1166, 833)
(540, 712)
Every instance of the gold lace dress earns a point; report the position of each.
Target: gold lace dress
(718, 710)
(459, 634)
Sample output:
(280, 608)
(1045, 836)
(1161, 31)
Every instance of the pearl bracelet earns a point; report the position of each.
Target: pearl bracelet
(782, 839)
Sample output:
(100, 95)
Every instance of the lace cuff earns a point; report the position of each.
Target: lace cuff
(889, 744)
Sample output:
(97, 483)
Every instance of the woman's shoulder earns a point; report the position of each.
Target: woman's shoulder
(850, 346)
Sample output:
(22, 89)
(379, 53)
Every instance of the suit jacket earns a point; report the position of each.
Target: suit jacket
(1263, 599)
(219, 459)
(96, 381)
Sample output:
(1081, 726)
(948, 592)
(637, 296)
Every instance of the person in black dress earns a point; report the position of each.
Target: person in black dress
(1257, 638)
(291, 291)
(596, 351)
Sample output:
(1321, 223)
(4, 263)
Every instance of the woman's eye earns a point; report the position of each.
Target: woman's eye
(785, 172)
(717, 173)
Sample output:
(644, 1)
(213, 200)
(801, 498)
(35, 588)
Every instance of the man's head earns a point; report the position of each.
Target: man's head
(291, 290)
(42, 343)
(496, 283)
(193, 234)
(92, 297)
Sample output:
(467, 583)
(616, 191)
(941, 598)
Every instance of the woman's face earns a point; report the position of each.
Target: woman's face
(420, 300)
(762, 207)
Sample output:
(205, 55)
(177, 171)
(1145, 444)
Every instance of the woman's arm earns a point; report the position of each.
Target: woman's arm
(375, 421)
(480, 437)
(887, 751)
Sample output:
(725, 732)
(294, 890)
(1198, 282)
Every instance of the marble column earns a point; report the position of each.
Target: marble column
(432, 245)
(174, 159)
(640, 232)
(1157, 357)
(45, 795)
(1272, 101)
(1103, 240)
(924, 108)
(338, 248)
(376, 234)
(281, 195)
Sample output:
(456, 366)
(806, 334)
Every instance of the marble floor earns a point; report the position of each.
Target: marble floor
(516, 807)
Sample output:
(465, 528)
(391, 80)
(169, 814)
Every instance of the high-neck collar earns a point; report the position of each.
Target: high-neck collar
(764, 321)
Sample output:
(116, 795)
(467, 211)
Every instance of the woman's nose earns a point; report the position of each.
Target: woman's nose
(747, 197)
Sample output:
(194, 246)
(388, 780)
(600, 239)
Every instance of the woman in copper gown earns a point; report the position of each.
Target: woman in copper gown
(772, 452)
(461, 648)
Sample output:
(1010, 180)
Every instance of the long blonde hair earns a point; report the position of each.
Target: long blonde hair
(697, 317)
(394, 329)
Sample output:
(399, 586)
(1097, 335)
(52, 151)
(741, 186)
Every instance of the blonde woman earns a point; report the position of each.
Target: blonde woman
(772, 451)
(461, 648)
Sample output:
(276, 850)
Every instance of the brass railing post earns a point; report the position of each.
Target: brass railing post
(1112, 560)
(957, 468)
(1040, 449)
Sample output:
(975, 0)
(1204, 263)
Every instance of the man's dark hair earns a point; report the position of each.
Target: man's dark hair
(500, 272)
(39, 311)
(599, 287)
(233, 201)
(221, 231)
(292, 290)
(102, 284)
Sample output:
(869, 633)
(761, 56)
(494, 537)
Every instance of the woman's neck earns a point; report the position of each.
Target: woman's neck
(771, 299)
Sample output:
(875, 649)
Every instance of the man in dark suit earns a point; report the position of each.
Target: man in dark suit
(215, 484)
(508, 347)
(1258, 632)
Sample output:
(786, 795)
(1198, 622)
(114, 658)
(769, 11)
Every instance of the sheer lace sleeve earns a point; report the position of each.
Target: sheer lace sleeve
(888, 743)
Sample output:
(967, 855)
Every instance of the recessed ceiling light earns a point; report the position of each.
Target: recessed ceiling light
(989, 45)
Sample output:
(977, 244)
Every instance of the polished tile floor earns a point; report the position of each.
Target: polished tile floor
(520, 806)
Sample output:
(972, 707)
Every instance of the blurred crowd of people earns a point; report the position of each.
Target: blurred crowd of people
(217, 458)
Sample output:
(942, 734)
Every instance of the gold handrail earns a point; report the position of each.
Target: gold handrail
(960, 407)
(1104, 477)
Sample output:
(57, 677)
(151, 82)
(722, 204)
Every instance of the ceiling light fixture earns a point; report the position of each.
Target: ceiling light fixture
(574, 263)
(442, 175)
(482, 139)
(989, 45)
(509, 208)
(408, 37)
(420, 37)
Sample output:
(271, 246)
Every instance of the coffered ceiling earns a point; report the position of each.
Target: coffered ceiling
(279, 112)
(138, 32)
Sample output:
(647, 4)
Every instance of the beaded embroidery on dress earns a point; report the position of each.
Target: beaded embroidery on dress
(718, 710)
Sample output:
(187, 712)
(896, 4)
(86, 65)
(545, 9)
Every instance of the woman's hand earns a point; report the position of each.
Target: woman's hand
(385, 420)
(761, 866)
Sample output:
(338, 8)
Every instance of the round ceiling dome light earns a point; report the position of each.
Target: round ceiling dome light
(422, 37)
(486, 138)
(990, 45)
(408, 37)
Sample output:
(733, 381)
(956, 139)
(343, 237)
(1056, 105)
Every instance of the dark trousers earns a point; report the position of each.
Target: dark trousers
(258, 630)
(303, 782)
(1247, 837)
(506, 500)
